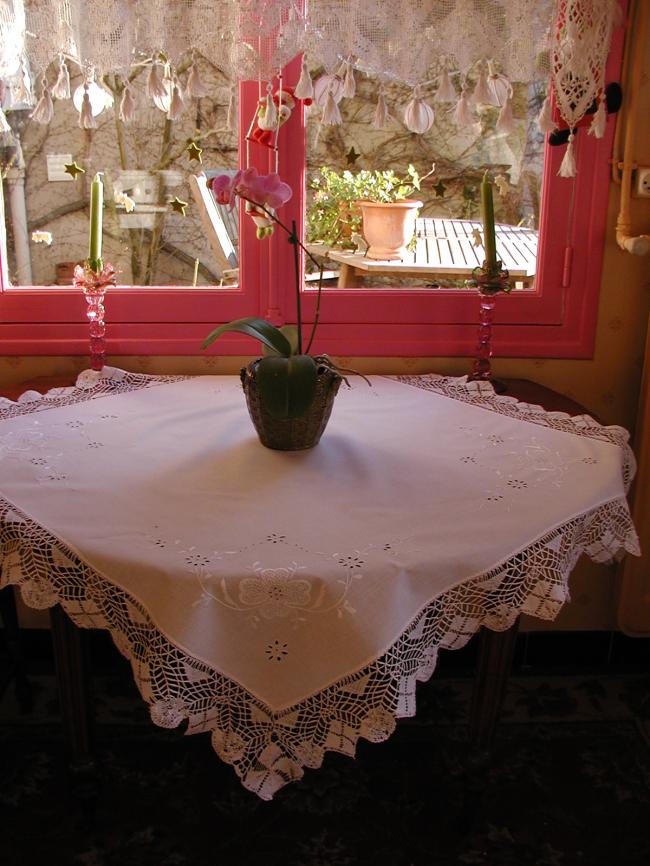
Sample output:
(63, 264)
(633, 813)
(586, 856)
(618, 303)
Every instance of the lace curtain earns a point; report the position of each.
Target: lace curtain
(471, 51)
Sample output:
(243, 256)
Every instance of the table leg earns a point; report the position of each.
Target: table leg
(496, 649)
(347, 277)
(9, 617)
(73, 689)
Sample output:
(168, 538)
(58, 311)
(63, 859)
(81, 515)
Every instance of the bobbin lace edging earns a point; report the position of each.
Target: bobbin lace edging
(267, 749)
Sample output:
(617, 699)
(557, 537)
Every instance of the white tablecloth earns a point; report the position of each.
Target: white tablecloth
(288, 602)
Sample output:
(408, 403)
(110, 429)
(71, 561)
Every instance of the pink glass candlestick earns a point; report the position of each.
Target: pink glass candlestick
(94, 287)
(490, 281)
(482, 365)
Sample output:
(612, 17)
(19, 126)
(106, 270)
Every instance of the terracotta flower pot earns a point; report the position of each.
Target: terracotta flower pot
(388, 227)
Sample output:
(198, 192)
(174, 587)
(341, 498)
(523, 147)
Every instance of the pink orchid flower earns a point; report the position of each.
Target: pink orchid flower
(267, 191)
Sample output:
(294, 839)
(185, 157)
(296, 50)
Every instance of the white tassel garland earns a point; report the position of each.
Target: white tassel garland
(155, 83)
(545, 122)
(463, 113)
(381, 112)
(505, 122)
(418, 116)
(568, 166)
(177, 103)
(61, 89)
(331, 114)
(305, 87)
(349, 84)
(599, 122)
(195, 85)
(446, 91)
(127, 105)
(44, 107)
(481, 95)
(86, 119)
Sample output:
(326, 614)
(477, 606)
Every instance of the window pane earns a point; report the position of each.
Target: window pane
(161, 224)
(443, 250)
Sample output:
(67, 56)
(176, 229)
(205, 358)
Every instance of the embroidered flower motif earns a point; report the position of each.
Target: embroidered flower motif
(517, 484)
(378, 725)
(352, 562)
(275, 591)
(95, 444)
(468, 459)
(196, 560)
(74, 424)
(274, 538)
(495, 440)
(494, 497)
(590, 460)
(276, 651)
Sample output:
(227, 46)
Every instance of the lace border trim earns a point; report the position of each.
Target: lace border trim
(268, 750)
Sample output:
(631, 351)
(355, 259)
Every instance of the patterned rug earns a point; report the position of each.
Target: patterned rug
(568, 784)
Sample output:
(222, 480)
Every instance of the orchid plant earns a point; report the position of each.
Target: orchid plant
(286, 376)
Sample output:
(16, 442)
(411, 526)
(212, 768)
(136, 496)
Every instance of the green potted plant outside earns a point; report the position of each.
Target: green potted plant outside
(377, 203)
(289, 392)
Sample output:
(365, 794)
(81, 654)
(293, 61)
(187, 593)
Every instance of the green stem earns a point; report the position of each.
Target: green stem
(293, 239)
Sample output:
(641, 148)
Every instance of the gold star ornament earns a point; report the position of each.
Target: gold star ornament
(195, 152)
(178, 205)
(73, 169)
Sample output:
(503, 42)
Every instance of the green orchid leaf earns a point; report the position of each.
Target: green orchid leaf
(254, 327)
(287, 386)
(291, 333)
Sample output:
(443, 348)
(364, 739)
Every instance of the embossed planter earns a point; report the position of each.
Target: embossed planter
(292, 434)
(388, 227)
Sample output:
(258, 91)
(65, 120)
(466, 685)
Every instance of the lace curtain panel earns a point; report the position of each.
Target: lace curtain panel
(471, 51)
(287, 603)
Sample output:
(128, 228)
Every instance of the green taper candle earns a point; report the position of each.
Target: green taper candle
(96, 214)
(489, 240)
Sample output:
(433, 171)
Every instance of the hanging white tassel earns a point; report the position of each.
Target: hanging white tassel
(4, 123)
(177, 103)
(155, 83)
(381, 112)
(499, 88)
(505, 121)
(463, 113)
(482, 95)
(230, 115)
(305, 87)
(599, 122)
(268, 119)
(349, 84)
(195, 85)
(86, 119)
(568, 166)
(446, 91)
(418, 116)
(44, 107)
(331, 114)
(61, 89)
(545, 122)
(127, 105)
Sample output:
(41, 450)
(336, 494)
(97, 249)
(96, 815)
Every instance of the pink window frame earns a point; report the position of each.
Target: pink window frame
(558, 319)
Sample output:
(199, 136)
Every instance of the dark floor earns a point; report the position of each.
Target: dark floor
(568, 783)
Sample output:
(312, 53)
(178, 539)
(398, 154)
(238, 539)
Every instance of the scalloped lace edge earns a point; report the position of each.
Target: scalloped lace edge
(268, 750)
